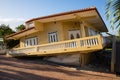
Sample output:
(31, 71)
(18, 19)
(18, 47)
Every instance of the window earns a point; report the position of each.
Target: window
(31, 41)
(71, 36)
(31, 24)
(74, 34)
(92, 32)
(52, 37)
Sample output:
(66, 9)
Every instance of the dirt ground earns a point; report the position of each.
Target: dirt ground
(37, 69)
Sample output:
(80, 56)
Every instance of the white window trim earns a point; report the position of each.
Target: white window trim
(74, 33)
(53, 37)
(92, 32)
(31, 41)
(31, 24)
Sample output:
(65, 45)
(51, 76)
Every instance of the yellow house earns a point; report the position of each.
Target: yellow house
(68, 37)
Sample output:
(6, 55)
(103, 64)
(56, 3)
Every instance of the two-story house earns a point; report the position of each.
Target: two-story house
(68, 37)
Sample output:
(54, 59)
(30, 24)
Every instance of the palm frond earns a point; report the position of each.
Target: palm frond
(113, 12)
(118, 25)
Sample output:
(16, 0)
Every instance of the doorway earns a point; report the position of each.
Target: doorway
(74, 34)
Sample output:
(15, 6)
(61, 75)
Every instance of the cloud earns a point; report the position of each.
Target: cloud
(11, 20)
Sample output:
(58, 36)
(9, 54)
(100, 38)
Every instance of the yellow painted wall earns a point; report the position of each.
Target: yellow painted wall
(27, 36)
(43, 35)
(87, 25)
(70, 26)
(51, 27)
(61, 28)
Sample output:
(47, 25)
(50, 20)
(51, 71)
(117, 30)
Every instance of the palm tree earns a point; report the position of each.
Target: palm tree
(113, 13)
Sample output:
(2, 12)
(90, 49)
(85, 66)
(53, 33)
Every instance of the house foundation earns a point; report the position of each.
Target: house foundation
(77, 59)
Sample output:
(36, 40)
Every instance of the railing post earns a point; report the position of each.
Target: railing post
(36, 49)
(78, 42)
(100, 41)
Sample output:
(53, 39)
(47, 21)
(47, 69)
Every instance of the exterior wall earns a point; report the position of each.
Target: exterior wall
(22, 40)
(51, 27)
(77, 59)
(70, 26)
(70, 59)
(43, 35)
(87, 26)
(86, 31)
(61, 28)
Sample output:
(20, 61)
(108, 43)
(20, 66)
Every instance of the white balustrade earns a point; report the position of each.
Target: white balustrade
(89, 42)
(23, 50)
(56, 46)
(77, 43)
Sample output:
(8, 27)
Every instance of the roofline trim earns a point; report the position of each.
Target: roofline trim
(19, 32)
(59, 14)
(64, 13)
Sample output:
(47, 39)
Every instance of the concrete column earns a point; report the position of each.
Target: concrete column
(113, 54)
(82, 28)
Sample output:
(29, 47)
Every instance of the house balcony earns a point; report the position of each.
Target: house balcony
(81, 45)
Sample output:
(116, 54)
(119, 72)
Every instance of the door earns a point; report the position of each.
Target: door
(73, 34)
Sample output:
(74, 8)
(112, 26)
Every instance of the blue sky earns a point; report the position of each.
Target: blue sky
(16, 12)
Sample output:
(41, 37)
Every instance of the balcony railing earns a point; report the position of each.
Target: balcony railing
(84, 45)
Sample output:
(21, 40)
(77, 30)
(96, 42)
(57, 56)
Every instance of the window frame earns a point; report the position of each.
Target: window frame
(53, 37)
(31, 41)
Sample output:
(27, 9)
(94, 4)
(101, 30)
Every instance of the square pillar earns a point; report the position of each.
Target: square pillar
(82, 28)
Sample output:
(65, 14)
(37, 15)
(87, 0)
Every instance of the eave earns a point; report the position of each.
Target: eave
(24, 32)
(87, 15)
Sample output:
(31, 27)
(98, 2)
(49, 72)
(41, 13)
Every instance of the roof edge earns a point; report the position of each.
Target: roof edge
(19, 32)
(63, 13)
(59, 14)
(101, 19)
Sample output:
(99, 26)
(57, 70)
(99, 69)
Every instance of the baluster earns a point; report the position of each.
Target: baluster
(73, 44)
(76, 44)
(85, 43)
(96, 41)
(70, 45)
(81, 43)
(88, 42)
(67, 44)
(93, 41)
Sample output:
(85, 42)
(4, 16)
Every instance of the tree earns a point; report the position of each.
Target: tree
(20, 27)
(4, 31)
(113, 13)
